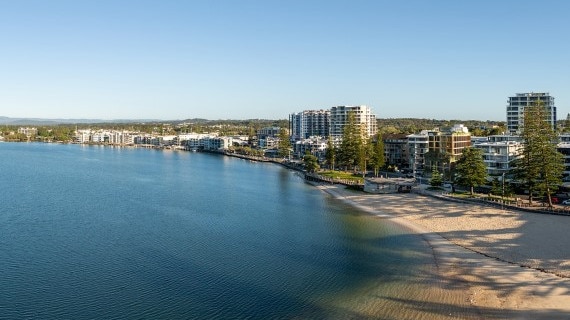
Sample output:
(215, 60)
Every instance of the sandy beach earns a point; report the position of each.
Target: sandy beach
(511, 264)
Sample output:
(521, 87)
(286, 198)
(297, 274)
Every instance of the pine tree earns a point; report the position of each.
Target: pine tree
(366, 152)
(349, 152)
(541, 166)
(330, 153)
(436, 178)
(378, 159)
(284, 146)
(470, 168)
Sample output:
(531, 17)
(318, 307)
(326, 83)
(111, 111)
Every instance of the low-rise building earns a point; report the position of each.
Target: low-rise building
(499, 152)
(388, 185)
(82, 136)
(29, 132)
(314, 145)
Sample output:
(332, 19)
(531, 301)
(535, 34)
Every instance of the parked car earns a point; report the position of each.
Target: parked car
(566, 202)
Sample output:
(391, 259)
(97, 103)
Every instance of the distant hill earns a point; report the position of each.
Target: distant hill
(48, 122)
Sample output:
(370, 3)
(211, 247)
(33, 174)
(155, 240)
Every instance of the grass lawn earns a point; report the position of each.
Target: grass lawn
(345, 175)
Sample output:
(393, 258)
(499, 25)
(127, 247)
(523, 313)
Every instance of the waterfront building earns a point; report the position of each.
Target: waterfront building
(170, 140)
(448, 143)
(314, 145)
(214, 143)
(517, 104)
(122, 138)
(146, 139)
(308, 123)
(100, 137)
(417, 148)
(268, 138)
(29, 132)
(396, 150)
(498, 153)
(194, 141)
(268, 142)
(82, 136)
(362, 116)
(388, 185)
(241, 141)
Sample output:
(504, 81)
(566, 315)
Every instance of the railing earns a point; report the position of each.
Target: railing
(318, 177)
(539, 207)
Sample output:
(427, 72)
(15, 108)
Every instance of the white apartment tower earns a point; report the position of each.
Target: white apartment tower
(362, 115)
(309, 123)
(517, 104)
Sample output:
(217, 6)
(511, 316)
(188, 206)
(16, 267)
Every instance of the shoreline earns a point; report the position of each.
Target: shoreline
(506, 285)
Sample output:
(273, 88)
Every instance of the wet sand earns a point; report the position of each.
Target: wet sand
(506, 264)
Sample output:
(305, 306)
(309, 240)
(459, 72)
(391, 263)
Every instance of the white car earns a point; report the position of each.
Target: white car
(566, 202)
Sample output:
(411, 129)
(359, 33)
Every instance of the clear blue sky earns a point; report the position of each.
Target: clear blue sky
(265, 59)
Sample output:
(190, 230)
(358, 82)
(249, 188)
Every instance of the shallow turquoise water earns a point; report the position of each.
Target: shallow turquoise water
(100, 232)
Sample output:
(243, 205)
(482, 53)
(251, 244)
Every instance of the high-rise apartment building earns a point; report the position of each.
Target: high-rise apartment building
(309, 123)
(517, 104)
(362, 115)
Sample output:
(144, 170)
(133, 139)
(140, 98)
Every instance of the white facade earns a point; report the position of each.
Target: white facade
(194, 141)
(417, 148)
(82, 136)
(28, 131)
(215, 143)
(362, 115)
(498, 154)
(268, 142)
(314, 145)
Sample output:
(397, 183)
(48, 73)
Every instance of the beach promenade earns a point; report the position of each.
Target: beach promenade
(508, 264)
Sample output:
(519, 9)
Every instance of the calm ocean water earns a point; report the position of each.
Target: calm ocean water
(89, 232)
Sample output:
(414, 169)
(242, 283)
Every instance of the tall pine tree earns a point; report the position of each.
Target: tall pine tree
(541, 166)
(284, 146)
(350, 147)
(330, 153)
(378, 159)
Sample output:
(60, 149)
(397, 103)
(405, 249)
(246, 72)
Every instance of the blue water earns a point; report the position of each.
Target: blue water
(92, 232)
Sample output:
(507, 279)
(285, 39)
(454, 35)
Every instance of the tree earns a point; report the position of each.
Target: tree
(350, 147)
(252, 137)
(436, 179)
(311, 162)
(378, 158)
(366, 153)
(284, 146)
(470, 168)
(438, 159)
(541, 166)
(330, 153)
(496, 187)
